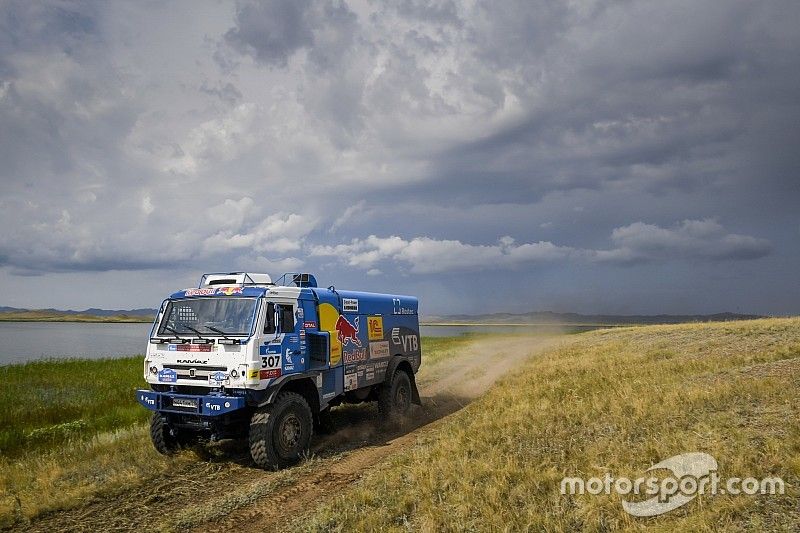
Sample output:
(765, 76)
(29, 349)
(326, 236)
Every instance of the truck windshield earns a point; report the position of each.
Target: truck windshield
(234, 316)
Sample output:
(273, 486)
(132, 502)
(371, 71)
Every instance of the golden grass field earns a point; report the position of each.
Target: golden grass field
(616, 401)
(612, 401)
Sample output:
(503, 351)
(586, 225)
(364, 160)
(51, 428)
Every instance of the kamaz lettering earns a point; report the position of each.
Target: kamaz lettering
(281, 351)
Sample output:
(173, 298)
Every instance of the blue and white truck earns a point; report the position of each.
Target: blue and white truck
(241, 355)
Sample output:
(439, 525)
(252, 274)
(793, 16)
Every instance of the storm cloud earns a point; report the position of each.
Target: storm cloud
(638, 148)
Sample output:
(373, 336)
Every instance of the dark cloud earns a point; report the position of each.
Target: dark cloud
(607, 154)
(271, 31)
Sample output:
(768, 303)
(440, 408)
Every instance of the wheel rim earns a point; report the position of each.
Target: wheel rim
(401, 397)
(290, 432)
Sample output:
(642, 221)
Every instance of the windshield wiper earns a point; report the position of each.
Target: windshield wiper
(177, 335)
(217, 330)
(225, 339)
(190, 328)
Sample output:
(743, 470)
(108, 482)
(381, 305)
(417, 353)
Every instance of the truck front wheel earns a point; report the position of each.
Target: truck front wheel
(164, 441)
(394, 397)
(280, 433)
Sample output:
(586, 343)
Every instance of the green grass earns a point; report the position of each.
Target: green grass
(615, 401)
(72, 430)
(47, 403)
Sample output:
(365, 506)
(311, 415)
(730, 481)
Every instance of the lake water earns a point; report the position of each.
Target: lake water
(28, 341)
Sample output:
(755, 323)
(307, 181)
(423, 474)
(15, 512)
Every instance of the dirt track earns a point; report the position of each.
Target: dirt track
(226, 492)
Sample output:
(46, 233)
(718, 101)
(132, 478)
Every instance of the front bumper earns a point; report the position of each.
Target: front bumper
(209, 405)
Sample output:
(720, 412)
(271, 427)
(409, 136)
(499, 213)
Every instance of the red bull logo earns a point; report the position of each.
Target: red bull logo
(347, 332)
(227, 291)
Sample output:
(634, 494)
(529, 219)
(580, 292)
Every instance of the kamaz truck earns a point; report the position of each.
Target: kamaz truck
(243, 356)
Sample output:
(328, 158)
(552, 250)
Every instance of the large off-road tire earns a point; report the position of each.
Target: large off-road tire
(394, 397)
(164, 441)
(280, 433)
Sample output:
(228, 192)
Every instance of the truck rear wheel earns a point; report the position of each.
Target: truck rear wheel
(394, 398)
(280, 433)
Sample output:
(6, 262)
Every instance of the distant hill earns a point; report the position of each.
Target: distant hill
(10, 314)
(549, 317)
(91, 311)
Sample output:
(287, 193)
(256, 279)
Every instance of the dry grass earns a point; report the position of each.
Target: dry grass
(613, 401)
(72, 431)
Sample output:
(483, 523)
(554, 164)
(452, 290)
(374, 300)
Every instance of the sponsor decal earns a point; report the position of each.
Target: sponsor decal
(378, 349)
(350, 382)
(270, 374)
(354, 356)
(228, 291)
(199, 292)
(167, 375)
(189, 348)
(272, 348)
(375, 328)
(350, 305)
(146, 399)
(347, 332)
(328, 318)
(398, 309)
(310, 324)
(192, 362)
(217, 377)
(410, 343)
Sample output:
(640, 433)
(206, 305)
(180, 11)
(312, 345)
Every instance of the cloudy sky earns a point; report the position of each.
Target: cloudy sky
(621, 157)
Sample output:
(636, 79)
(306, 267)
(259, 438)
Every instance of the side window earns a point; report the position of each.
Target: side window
(269, 322)
(286, 318)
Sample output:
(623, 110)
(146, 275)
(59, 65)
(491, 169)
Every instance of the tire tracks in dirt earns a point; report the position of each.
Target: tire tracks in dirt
(465, 379)
(226, 492)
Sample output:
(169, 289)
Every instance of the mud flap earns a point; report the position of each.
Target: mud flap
(414, 392)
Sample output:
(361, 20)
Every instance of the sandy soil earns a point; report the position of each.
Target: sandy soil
(223, 491)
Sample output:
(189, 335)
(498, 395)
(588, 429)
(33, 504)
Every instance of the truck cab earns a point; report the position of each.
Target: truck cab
(240, 355)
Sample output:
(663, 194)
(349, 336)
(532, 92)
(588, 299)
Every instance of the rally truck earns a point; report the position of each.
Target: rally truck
(242, 356)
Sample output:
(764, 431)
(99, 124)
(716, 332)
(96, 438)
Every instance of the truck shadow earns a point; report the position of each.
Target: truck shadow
(359, 426)
(354, 427)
